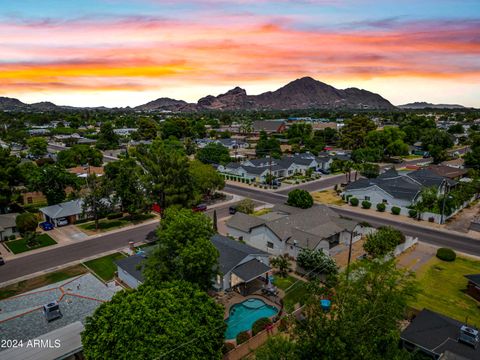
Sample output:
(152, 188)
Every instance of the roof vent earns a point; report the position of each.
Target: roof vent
(469, 336)
(52, 311)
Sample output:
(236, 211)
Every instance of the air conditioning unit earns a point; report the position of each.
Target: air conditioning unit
(469, 336)
(52, 311)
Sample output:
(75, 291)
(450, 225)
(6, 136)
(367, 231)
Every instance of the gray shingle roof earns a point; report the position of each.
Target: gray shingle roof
(64, 209)
(133, 265)
(244, 222)
(267, 125)
(438, 333)
(251, 270)
(7, 221)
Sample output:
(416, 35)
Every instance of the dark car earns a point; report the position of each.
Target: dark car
(46, 226)
(2, 262)
(232, 209)
(200, 207)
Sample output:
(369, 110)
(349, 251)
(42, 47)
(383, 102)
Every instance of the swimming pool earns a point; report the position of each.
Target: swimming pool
(242, 316)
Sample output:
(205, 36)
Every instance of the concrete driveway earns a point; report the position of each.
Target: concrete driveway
(67, 234)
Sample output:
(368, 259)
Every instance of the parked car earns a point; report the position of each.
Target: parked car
(325, 172)
(46, 226)
(200, 207)
(232, 209)
(2, 262)
(62, 222)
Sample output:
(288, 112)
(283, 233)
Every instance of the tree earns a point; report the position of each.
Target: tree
(80, 155)
(214, 153)
(456, 129)
(206, 179)
(363, 322)
(383, 242)
(300, 198)
(26, 222)
(353, 134)
(147, 129)
(37, 146)
(397, 148)
(10, 175)
(125, 177)
(184, 251)
(51, 180)
(367, 155)
(97, 202)
(277, 348)
(427, 200)
(268, 146)
(167, 177)
(370, 171)
(472, 158)
(282, 264)
(107, 139)
(316, 262)
(174, 321)
(246, 206)
(437, 141)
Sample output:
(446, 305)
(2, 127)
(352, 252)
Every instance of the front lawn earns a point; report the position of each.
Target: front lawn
(329, 196)
(443, 287)
(43, 280)
(107, 224)
(296, 293)
(105, 266)
(19, 246)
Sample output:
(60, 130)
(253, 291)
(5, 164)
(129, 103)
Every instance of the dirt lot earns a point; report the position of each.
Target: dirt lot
(461, 221)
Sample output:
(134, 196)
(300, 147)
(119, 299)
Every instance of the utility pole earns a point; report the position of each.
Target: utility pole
(349, 254)
(443, 202)
(270, 165)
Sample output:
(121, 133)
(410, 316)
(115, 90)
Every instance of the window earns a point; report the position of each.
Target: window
(385, 201)
(269, 245)
(29, 200)
(367, 198)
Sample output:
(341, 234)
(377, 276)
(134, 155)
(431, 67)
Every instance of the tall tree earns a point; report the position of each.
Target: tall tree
(353, 134)
(37, 146)
(26, 222)
(97, 201)
(184, 251)
(213, 153)
(147, 129)
(207, 180)
(268, 146)
(107, 139)
(167, 177)
(173, 321)
(10, 176)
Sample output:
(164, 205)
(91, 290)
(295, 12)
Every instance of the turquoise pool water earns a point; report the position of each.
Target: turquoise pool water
(243, 315)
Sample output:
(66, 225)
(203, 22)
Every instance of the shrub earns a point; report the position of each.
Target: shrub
(242, 337)
(366, 204)
(365, 224)
(26, 222)
(396, 210)
(13, 237)
(446, 254)
(260, 325)
(300, 198)
(381, 207)
(114, 216)
(228, 347)
(412, 213)
(354, 201)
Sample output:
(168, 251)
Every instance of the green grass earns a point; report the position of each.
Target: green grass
(442, 289)
(106, 224)
(40, 281)
(20, 246)
(104, 267)
(261, 212)
(295, 294)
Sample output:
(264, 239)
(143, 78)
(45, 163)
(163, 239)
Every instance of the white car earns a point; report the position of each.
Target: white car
(62, 222)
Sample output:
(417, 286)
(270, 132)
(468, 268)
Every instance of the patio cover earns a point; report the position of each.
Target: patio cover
(250, 270)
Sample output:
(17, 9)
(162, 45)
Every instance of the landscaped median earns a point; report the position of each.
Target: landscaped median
(22, 245)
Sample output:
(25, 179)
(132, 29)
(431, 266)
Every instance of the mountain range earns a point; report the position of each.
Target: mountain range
(303, 93)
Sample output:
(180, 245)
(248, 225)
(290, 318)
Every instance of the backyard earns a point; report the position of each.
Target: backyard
(20, 246)
(37, 282)
(443, 287)
(104, 267)
(110, 224)
(296, 293)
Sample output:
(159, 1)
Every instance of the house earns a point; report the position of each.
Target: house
(85, 171)
(394, 189)
(448, 171)
(434, 334)
(71, 210)
(269, 126)
(473, 286)
(8, 226)
(458, 163)
(287, 230)
(124, 131)
(239, 264)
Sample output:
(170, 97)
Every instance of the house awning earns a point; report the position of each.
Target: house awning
(250, 270)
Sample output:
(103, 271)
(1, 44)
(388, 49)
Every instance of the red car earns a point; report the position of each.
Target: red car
(200, 207)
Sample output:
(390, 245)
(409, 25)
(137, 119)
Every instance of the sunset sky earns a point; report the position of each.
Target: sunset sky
(119, 53)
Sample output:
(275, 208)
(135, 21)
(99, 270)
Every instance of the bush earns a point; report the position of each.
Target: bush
(366, 204)
(300, 198)
(354, 201)
(396, 210)
(246, 206)
(260, 325)
(381, 207)
(227, 347)
(242, 337)
(114, 216)
(13, 237)
(412, 213)
(446, 254)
